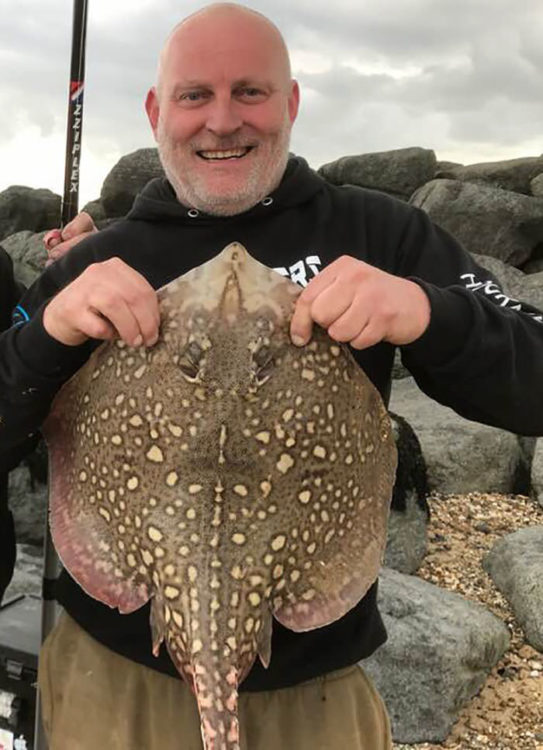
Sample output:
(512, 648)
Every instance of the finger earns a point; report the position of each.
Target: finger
(139, 298)
(51, 239)
(369, 336)
(120, 316)
(81, 224)
(331, 304)
(95, 326)
(301, 325)
(61, 249)
(354, 319)
(319, 283)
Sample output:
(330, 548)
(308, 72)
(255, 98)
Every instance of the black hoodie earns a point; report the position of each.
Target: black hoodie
(482, 353)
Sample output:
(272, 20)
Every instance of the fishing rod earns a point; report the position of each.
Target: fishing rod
(74, 134)
(69, 209)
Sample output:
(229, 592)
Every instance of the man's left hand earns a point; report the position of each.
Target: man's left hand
(360, 305)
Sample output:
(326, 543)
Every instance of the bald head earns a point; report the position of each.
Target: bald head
(223, 108)
(217, 19)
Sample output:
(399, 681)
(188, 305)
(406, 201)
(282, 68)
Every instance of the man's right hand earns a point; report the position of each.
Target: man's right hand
(108, 300)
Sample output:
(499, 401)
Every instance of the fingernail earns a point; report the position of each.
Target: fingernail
(138, 341)
(298, 340)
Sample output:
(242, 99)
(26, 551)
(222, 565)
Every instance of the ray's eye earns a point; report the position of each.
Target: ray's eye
(189, 363)
(264, 364)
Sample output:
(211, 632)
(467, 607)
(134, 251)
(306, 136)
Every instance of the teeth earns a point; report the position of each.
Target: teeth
(223, 154)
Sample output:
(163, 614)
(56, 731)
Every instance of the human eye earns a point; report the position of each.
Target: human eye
(251, 93)
(192, 96)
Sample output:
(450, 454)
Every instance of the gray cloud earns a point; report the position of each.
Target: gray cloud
(452, 75)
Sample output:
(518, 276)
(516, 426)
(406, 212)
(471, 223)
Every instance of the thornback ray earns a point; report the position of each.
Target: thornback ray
(224, 474)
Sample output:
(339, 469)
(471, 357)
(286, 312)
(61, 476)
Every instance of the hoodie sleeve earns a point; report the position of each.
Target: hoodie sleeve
(482, 353)
(33, 365)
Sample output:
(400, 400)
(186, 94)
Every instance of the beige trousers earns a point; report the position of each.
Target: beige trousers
(94, 699)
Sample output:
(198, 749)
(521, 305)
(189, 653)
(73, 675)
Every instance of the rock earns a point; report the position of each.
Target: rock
(28, 254)
(28, 502)
(461, 456)
(517, 284)
(407, 540)
(443, 167)
(27, 577)
(439, 651)
(511, 174)
(130, 175)
(537, 471)
(26, 208)
(484, 219)
(397, 172)
(536, 186)
(96, 211)
(515, 564)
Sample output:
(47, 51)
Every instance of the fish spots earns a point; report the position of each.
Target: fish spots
(239, 538)
(146, 557)
(263, 437)
(155, 454)
(136, 421)
(241, 490)
(133, 483)
(172, 479)
(154, 534)
(285, 463)
(319, 451)
(106, 515)
(175, 429)
(304, 497)
(278, 542)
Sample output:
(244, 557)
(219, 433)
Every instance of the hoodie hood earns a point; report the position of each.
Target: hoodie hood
(158, 202)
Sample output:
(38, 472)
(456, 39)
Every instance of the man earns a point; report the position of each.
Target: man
(10, 292)
(221, 113)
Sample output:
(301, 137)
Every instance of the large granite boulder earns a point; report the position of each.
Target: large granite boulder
(28, 574)
(127, 178)
(397, 172)
(461, 456)
(515, 564)
(28, 501)
(27, 208)
(28, 254)
(511, 174)
(537, 471)
(536, 186)
(517, 284)
(439, 652)
(485, 219)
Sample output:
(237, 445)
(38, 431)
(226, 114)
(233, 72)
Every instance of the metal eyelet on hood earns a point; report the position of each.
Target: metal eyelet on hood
(267, 201)
(193, 213)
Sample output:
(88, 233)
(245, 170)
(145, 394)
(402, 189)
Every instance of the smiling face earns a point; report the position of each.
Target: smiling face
(223, 109)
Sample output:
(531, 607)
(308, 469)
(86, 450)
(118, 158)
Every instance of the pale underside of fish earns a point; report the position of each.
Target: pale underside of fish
(225, 475)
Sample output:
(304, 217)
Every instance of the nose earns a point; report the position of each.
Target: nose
(223, 116)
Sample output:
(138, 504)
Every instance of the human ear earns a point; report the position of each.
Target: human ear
(152, 108)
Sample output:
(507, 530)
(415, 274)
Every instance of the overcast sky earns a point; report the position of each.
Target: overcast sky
(463, 77)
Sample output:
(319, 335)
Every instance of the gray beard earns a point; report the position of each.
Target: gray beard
(232, 204)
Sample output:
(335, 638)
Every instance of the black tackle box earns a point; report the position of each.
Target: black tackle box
(20, 623)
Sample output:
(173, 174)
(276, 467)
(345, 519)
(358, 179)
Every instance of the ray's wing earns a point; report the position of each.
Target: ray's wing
(342, 493)
(83, 489)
